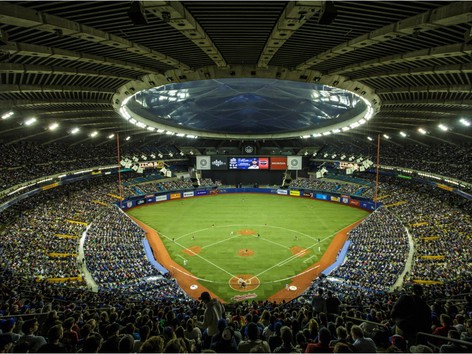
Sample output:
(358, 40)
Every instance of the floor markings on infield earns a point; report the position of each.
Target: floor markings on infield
(197, 255)
(291, 258)
(306, 260)
(215, 243)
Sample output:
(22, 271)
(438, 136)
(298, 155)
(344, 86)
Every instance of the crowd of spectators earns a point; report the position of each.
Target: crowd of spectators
(114, 250)
(377, 252)
(26, 161)
(40, 317)
(41, 234)
(322, 184)
(442, 159)
(137, 310)
(441, 230)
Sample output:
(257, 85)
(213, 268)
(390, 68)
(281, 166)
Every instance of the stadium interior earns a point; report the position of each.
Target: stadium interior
(110, 105)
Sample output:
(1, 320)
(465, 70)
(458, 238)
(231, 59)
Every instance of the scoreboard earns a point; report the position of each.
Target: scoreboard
(224, 162)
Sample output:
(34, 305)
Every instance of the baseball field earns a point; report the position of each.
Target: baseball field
(245, 245)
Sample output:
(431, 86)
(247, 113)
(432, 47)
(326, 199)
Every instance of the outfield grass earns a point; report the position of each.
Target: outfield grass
(222, 226)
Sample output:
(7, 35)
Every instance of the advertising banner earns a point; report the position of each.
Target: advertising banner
(174, 195)
(294, 162)
(278, 163)
(355, 202)
(161, 198)
(204, 192)
(263, 163)
(447, 188)
(345, 200)
(203, 163)
(150, 200)
(307, 194)
(140, 201)
(335, 199)
(368, 205)
(188, 194)
(295, 193)
(282, 191)
(49, 186)
(219, 163)
(321, 196)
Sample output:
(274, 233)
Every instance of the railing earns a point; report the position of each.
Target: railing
(420, 335)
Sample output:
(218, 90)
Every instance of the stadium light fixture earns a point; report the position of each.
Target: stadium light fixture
(180, 134)
(151, 129)
(7, 115)
(127, 138)
(111, 136)
(443, 127)
(160, 130)
(93, 134)
(30, 121)
(53, 126)
(386, 136)
(422, 131)
(74, 131)
(403, 134)
(326, 133)
(336, 130)
(464, 121)
(169, 133)
(370, 139)
(345, 129)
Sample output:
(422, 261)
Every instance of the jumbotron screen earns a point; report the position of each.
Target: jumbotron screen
(248, 163)
(222, 162)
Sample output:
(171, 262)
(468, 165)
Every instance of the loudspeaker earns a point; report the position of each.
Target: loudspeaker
(137, 14)
(328, 13)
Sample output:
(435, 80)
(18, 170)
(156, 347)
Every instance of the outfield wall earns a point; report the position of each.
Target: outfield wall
(359, 202)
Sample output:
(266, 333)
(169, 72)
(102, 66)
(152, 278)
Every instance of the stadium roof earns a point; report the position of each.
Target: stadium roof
(74, 63)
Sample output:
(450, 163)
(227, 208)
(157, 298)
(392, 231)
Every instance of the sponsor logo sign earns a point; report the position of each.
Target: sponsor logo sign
(308, 194)
(295, 193)
(219, 163)
(345, 200)
(203, 163)
(322, 196)
(294, 162)
(244, 297)
(174, 195)
(263, 163)
(188, 194)
(161, 198)
(335, 199)
(355, 202)
(282, 191)
(201, 192)
(141, 201)
(278, 163)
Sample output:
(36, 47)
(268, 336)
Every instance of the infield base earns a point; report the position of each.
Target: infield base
(244, 282)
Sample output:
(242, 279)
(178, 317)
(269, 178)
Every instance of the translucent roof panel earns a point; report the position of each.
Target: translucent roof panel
(246, 106)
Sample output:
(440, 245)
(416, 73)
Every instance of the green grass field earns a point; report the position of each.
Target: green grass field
(225, 225)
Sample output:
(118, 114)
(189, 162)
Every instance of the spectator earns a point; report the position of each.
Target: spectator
(362, 344)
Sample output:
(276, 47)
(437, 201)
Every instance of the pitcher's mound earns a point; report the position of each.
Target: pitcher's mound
(245, 253)
(299, 251)
(192, 251)
(246, 232)
(244, 282)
